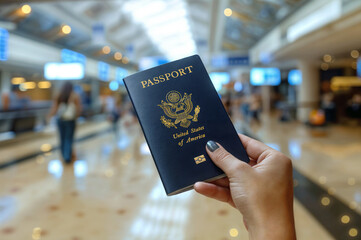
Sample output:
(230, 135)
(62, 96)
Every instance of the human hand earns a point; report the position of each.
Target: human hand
(261, 190)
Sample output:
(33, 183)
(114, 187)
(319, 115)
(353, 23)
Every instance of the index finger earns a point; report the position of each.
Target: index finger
(253, 147)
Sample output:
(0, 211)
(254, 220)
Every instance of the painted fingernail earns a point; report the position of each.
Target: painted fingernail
(212, 146)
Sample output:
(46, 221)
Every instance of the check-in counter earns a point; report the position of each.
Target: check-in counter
(25, 119)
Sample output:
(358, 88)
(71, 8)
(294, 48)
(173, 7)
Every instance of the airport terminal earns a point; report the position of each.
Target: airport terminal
(75, 163)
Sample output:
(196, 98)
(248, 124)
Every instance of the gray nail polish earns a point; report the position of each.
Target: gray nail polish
(212, 146)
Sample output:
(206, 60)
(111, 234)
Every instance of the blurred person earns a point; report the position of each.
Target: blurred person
(329, 107)
(113, 110)
(255, 109)
(354, 107)
(261, 190)
(66, 107)
(227, 103)
(14, 100)
(245, 108)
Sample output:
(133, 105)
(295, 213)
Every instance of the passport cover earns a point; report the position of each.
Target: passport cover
(179, 110)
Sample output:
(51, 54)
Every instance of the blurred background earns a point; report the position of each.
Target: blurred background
(287, 71)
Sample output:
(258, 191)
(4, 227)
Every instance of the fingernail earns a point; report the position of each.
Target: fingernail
(212, 146)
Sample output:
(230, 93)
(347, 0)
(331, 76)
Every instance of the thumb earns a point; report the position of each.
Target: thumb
(224, 160)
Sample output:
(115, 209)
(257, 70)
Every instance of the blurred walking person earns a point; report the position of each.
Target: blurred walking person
(66, 108)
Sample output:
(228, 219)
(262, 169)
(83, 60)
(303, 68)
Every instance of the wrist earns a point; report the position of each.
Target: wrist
(277, 226)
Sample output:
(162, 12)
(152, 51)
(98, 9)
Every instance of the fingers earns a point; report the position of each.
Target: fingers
(224, 160)
(253, 147)
(223, 182)
(213, 191)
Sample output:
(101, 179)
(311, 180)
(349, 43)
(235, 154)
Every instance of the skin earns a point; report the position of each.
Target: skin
(261, 190)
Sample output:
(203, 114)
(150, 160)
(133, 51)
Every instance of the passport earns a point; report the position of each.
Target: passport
(179, 110)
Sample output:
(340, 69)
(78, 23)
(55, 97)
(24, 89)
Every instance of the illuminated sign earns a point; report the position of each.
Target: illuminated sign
(265, 76)
(225, 61)
(359, 67)
(120, 74)
(295, 77)
(219, 78)
(64, 71)
(149, 62)
(4, 37)
(103, 71)
(69, 56)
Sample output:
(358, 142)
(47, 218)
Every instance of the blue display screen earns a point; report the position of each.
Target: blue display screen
(69, 56)
(64, 71)
(265, 76)
(295, 77)
(149, 62)
(4, 39)
(103, 71)
(120, 74)
(219, 79)
(359, 67)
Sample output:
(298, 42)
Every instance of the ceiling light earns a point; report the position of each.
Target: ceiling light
(106, 49)
(118, 56)
(28, 85)
(355, 54)
(166, 23)
(327, 58)
(228, 12)
(324, 66)
(26, 9)
(66, 29)
(353, 232)
(17, 80)
(44, 84)
(345, 219)
(125, 60)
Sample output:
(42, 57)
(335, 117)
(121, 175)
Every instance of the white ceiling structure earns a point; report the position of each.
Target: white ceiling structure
(148, 28)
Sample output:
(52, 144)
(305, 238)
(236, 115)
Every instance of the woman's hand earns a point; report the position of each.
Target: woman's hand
(261, 190)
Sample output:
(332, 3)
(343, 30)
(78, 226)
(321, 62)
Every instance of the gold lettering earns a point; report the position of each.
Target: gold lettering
(176, 73)
(189, 68)
(167, 75)
(143, 83)
(181, 134)
(193, 130)
(150, 82)
(181, 72)
(192, 139)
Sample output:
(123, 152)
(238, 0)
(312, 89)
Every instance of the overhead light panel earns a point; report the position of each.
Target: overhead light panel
(167, 25)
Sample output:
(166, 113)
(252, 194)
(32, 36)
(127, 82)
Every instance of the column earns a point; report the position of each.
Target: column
(309, 90)
(95, 93)
(5, 81)
(266, 99)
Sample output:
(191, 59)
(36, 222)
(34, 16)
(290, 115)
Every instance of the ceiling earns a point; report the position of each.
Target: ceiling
(147, 28)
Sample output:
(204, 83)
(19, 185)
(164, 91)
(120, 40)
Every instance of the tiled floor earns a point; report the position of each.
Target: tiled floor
(113, 190)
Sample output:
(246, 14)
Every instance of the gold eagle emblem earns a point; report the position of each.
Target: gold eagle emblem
(178, 108)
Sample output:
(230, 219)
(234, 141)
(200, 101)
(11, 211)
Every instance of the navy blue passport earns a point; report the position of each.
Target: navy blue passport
(179, 110)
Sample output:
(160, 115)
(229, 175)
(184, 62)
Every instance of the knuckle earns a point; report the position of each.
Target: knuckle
(222, 155)
(287, 162)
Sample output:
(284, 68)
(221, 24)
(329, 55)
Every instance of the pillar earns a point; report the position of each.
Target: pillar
(266, 99)
(308, 91)
(5, 81)
(95, 93)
